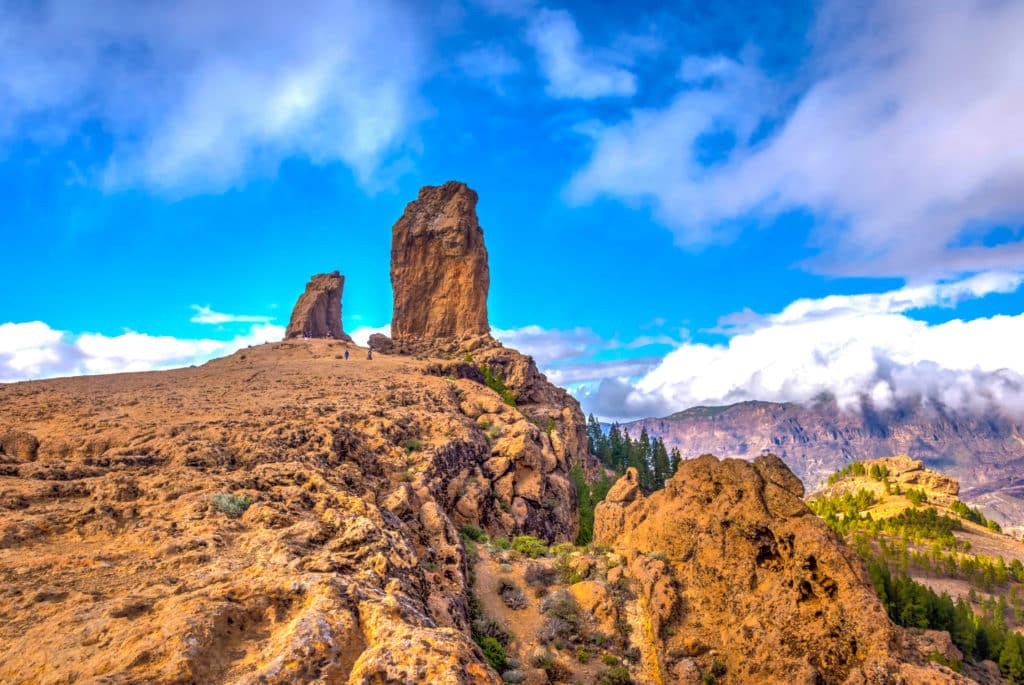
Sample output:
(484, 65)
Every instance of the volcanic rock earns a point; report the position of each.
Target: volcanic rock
(439, 272)
(317, 314)
(379, 342)
(734, 574)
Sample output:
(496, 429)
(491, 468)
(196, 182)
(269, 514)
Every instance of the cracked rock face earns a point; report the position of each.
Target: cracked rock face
(439, 271)
(317, 314)
(730, 566)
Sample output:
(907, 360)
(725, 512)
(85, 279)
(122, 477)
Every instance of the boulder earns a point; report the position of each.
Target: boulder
(379, 342)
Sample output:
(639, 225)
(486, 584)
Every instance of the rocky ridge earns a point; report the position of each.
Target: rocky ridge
(317, 314)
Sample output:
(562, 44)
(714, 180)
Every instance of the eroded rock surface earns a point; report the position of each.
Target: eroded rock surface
(734, 574)
(116, 562)
(379, 342)
(439, 272)
(317, 314)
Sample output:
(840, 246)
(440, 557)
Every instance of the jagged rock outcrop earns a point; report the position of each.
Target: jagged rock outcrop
(734, 574)
(317, 314)
(439, 272)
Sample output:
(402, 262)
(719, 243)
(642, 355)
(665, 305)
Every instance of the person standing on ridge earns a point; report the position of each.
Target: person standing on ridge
(369, 354)
(346, 355)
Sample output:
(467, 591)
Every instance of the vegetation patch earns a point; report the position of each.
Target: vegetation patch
(492, 380)
(511, 595)
(529, 546)
(231, 505)
(470, 532)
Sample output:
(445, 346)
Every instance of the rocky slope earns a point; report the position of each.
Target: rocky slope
(986, 454)
(116, 562)
(735, 577)
(282, 515)
(439, 272)
(317, 314)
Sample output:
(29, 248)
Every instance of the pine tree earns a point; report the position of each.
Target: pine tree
(675, 458)
(662, 465)
(643, 459)
(1011, 660)
(585, 505)
(964, 628)
(593, 429)
(617, 447)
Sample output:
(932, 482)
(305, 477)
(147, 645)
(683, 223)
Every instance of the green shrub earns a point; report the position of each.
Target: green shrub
(493, 381)
(511, 595)
(232, 505)
(529, 546)
(494, 653)
(583, 655)
(542, 660)
(413, 445)
(470, 532)
(501, 543)
(615, 675)
(916, 497)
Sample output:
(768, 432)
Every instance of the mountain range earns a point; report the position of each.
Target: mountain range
(984, 452)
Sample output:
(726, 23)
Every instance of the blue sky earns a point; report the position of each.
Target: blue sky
(661, 186)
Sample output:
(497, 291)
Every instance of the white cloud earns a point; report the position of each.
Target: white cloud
(571, 70)
(361, 335)
(35, 350)
(549, 345)
(851, 347)
(208, 316)
(577, 373)
(197, 96)
(570, 357)
(905, 143)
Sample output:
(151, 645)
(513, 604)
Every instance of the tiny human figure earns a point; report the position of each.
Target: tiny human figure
(369, 354)
(346, 355)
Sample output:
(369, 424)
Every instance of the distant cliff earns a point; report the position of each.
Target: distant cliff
(985, 454)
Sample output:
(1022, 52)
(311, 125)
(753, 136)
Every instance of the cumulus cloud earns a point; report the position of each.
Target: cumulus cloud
(208, 316)
(578, 373)
(576, 357)
(549, 345)
(905, 142)
(34, 350)
(572, 70)
(851, 347)
(196, 95)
